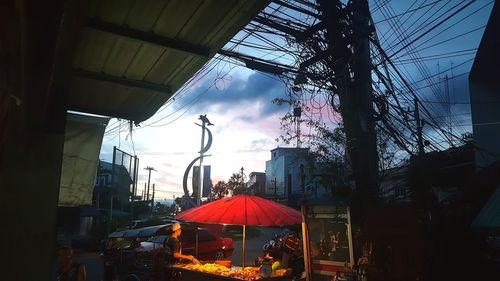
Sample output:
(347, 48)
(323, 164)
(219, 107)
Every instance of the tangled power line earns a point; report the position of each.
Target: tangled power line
(287, 40)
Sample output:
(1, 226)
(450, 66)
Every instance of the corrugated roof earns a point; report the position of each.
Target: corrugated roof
(489, 216)
(133, 55)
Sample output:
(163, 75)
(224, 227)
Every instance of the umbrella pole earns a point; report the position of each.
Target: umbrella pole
(243, 245)
(196, 249)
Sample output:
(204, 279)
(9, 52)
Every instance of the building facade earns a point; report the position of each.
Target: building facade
(283, 176)
(257, 183)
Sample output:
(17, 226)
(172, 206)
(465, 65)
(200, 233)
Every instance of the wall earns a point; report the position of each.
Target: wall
(31, 156)
(485, 103)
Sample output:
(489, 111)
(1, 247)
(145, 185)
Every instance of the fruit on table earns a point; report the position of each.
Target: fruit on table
(210, 268)
(247, 273)
(276, 265)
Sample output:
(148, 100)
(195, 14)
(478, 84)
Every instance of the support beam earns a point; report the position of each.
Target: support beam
(149, 37)
(123, 81)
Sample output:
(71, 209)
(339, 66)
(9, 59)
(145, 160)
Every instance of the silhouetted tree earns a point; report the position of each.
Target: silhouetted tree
(236, 184)
(220, 190)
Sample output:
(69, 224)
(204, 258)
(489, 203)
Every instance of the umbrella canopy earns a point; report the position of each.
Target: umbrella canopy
(243, 209)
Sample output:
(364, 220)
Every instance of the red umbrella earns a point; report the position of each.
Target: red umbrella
(243, 210)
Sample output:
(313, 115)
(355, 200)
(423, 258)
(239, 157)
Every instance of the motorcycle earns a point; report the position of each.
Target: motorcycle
(285, 247)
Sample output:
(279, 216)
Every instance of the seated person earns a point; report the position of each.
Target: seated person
(291, 248)
(68, 270)
(267, 258)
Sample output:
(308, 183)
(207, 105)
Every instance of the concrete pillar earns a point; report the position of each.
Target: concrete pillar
(40, 49)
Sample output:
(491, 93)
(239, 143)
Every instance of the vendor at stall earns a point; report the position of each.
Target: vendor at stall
(173, 253)
(173, 247)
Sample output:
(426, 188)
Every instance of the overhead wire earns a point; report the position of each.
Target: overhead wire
(422, 68)
(391, 45)
(206, 69)
(397, 30)
(409, 10)
(457, 22)
(257, 38)
(385, 40)
(432, 28)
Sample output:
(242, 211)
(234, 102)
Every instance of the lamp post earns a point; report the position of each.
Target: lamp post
(204, 122)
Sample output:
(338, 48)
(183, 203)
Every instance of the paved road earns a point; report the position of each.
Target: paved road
(253, 246)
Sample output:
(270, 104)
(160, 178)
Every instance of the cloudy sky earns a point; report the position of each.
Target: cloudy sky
(239, 101)
(246, 124)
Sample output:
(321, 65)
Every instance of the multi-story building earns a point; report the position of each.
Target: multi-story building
(283, 180)
(283, 172)
(257, 183)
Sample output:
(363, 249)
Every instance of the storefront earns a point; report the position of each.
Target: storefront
(330, 237)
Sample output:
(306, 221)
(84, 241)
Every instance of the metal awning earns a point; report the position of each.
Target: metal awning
(133, 56)
(489, 216)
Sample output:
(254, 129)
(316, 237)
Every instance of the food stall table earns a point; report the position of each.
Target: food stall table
(184, 273)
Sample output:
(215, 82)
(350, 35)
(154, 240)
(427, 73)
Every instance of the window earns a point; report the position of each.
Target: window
(205, 236)
(101, 181)
(189, 236)
(400, 191)
(158, 239)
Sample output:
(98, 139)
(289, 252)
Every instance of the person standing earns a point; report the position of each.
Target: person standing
(67, 269)
(173, 251)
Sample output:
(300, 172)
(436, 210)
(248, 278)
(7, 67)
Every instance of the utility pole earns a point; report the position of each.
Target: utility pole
(448, 107)
(111, 190)
(153, 200)
(420, 139)
(352, 77)
(297, 111)
(134, 185)
(149, 179)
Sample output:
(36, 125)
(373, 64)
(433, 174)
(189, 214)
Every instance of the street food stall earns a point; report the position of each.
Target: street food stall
(244, 210)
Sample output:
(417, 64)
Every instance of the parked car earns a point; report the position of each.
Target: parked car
(210, 247)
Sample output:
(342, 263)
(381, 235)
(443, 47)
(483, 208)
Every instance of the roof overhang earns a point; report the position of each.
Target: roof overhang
(133, 56)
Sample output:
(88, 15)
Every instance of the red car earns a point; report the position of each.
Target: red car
(210, 247)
